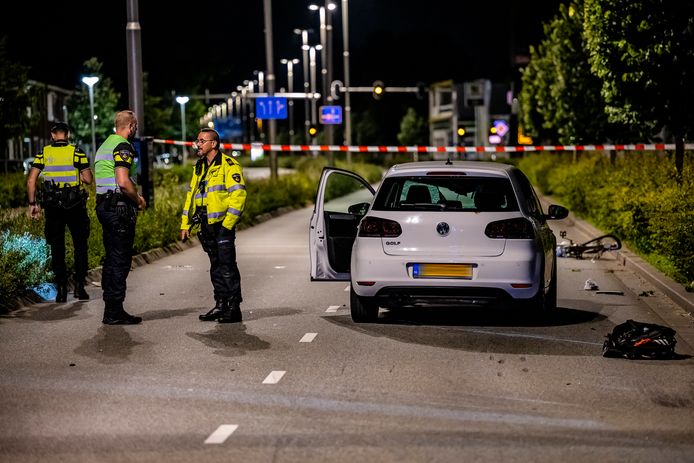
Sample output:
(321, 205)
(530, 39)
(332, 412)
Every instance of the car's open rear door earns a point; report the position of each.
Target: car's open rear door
(342, 199)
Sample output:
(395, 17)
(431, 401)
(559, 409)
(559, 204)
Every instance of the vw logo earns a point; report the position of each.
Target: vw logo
(443, 229)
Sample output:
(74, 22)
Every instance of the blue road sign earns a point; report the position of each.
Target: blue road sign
(331, 114)
(271, 107)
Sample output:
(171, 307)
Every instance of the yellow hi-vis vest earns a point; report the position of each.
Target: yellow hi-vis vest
(220, 188)
(61, 163)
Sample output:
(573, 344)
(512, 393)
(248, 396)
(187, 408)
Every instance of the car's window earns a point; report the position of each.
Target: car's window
(343, 191)
(455, 193)
(532, 202)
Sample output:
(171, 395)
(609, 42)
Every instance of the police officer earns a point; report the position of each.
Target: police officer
(117, 203)
(63, 168)
(216, 199)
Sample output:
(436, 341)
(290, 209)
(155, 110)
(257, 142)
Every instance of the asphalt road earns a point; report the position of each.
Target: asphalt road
(299, 381)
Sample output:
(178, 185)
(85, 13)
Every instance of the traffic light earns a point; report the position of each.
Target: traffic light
(312, 131)
(378, 90)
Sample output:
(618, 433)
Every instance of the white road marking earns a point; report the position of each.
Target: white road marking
(274, 377)
(280, 266)
(221, 434)
(332, 308)
(309, 337)
(347, 288)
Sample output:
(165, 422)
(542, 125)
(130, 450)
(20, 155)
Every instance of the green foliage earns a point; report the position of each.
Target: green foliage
(13, 190)
(24, 262)
(414, 129)
(159, 115)
(637, 197)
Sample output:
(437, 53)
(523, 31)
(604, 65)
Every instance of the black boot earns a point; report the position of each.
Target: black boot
(115, 314)
(62, 293)
(215, 312)
(80, 293)
(232, 314)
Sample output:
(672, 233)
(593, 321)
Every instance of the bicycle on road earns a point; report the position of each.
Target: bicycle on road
(594, 247)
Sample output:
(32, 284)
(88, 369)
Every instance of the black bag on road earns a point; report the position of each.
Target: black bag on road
(636, 340)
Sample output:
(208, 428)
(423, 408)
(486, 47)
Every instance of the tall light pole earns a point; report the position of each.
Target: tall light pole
(345, 60)
(182, 100)
(304, 52)
(270, 80)
(326, 65)
(90, 81)
(290, 87)
(312, 65)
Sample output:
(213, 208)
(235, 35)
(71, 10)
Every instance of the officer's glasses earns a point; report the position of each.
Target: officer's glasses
(201, 142)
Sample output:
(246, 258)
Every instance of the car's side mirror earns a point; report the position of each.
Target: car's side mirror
(358, 209)
(556, 212)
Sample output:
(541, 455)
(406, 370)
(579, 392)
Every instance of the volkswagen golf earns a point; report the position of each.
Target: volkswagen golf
(438, 233)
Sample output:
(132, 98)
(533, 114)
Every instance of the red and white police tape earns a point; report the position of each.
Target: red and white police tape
(438, 149)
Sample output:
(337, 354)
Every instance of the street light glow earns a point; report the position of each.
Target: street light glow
(313, 7)
(90, 80)
(182, 99)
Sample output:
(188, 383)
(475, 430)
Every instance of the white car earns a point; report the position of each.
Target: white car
(445, 233)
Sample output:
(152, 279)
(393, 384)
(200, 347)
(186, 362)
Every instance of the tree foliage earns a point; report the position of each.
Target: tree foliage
(561, 98)
(414, 129)
(643, 52)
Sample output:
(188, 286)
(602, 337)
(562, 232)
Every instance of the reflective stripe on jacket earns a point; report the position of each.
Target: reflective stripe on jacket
(221, 189)
(104, 165)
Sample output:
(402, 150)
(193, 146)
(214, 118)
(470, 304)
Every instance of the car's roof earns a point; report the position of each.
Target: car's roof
(470, 167)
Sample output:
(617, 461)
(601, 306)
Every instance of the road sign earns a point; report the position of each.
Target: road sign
(331, 114)
(271, 107)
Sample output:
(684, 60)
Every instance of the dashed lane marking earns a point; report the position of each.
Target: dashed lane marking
(347, 288)
(221, 434)
(309, 337)
(274, 377)
(332, 308)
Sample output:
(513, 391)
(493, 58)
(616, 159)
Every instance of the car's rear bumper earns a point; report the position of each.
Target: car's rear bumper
(494, 279)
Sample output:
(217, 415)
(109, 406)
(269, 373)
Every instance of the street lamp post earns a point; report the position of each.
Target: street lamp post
(90, 81)
(290, 86)
(326, 65)
(304, 52)
(345, 58)
(182, 100)
(312, 65)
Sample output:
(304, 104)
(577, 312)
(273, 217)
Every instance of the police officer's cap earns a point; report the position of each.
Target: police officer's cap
(60, 127)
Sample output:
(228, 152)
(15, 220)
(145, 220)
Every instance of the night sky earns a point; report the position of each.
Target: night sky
(219, 44)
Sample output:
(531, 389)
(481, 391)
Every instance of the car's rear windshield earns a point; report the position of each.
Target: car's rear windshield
(454, 193)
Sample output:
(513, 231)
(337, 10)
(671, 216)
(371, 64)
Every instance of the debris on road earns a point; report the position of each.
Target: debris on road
(591, 285)
(637, 340)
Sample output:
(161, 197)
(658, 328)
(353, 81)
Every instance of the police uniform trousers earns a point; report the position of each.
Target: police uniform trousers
(118, 224)
(76, 220)
(219, 244)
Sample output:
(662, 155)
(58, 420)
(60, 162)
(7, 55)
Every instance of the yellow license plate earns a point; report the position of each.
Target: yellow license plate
(462, 271)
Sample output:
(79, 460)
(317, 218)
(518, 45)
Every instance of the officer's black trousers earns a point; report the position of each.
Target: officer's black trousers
(118, 224)
(219, 244)
(77, 221)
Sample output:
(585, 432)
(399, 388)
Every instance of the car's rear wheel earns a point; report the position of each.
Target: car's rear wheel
(550, 300)
(363, 309)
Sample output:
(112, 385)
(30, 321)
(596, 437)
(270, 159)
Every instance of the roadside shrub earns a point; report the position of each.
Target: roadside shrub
(24, 262)
(13, 190)
(636, 197)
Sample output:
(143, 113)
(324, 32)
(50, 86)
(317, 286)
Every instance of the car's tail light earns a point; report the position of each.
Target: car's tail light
(379, 228)
(519, 228)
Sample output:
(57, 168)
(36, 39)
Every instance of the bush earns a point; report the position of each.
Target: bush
(24, 262)
(637, 197)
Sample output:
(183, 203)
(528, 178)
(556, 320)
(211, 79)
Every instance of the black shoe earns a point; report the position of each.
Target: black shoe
(232, 314)
(215, 313)
(80, 293)
(114, 314)
(62, 293)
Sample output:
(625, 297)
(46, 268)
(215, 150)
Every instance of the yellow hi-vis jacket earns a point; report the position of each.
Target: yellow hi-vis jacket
(220, 187)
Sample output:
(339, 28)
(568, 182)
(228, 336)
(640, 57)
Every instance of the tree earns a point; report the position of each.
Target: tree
(159, 115)
(14, 100)
(643, 51)
(561, 97)
(105, 106)
(413, 129)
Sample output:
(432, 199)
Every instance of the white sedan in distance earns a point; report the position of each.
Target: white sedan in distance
(439, 233)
